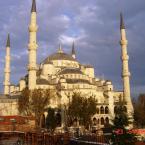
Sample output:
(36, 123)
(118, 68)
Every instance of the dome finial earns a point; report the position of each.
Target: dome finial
(73, 53)
(73, 48)
(60, 49)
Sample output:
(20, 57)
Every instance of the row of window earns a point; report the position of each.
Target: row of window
(101, 121)
(103, 110)
(64, 63)
(78, 86)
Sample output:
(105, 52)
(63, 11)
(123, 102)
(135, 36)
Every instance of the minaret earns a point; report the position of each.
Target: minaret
(7, 70)
(32, 66)
(125, 67)
(73, 50)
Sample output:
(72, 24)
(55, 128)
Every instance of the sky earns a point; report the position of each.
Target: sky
(94, 25)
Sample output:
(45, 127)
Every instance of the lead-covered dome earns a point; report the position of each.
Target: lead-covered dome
(59, 56)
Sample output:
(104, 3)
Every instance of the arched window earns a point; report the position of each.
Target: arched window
(125, 109)
(102, 121)
(102, 110)
(58, 119)
(43, 121)
(97, 110)
(115, 109)
(106, 120)
(106, 110)
(94, 121)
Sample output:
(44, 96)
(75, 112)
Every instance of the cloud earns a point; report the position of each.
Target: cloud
(94, 25)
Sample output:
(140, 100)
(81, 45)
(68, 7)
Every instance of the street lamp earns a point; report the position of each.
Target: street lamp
(13, 120)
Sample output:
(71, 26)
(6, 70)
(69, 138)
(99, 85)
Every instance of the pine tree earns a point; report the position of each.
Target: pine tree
(120, 134)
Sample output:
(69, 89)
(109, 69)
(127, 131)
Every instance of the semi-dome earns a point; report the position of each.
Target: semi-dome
(59, 56)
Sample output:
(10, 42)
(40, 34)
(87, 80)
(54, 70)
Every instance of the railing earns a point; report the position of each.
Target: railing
(77, 142)
(35, 138)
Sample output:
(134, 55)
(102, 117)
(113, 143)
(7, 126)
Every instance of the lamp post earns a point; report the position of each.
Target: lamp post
(13, 123)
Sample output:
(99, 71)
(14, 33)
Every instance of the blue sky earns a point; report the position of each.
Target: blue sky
(93, 24)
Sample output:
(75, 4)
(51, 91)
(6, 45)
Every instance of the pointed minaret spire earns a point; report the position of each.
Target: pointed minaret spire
(73, 50)
(60, 49)
(125, 68)
(122, 26)
(33, 9)
(8, 41)
(7, 68)
(32, 48)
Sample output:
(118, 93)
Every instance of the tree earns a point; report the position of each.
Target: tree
(24, 102)
(82, 109)
(39, 102)
(51, 120)
(34, 103)
(139, 111)
(120, 135)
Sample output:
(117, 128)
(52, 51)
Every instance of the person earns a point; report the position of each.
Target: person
(110, 142)
(19, 142)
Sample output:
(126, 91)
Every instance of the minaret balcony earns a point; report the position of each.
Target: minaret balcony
(32, 46)
(126, 74)
(7, 70)
(30, 67)
(123, 42)
(126, 57)
(33, 28)
(7, 58)
(6, 83)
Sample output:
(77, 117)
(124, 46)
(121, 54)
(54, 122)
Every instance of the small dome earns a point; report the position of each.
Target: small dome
(22, 79)
(108, 82)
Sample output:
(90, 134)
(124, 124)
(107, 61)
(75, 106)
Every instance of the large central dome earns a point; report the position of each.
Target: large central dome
(59, 56)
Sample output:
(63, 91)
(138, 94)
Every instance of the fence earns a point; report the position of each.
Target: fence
(33, 138)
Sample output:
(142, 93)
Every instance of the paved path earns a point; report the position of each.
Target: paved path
(8, 142)
(11, 142)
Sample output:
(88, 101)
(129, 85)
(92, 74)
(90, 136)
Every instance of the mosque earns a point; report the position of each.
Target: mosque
(64, 73)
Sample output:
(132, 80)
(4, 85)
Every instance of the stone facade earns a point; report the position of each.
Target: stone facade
(63, 73)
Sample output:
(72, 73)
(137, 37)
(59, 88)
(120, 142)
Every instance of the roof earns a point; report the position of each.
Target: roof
(42, 81)
(49, 62)
(3, 96)
(88, 66)
(75, 81)
(70, 71)
(9, 97)
(59, 56)
(23, 78)
(38, 72)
